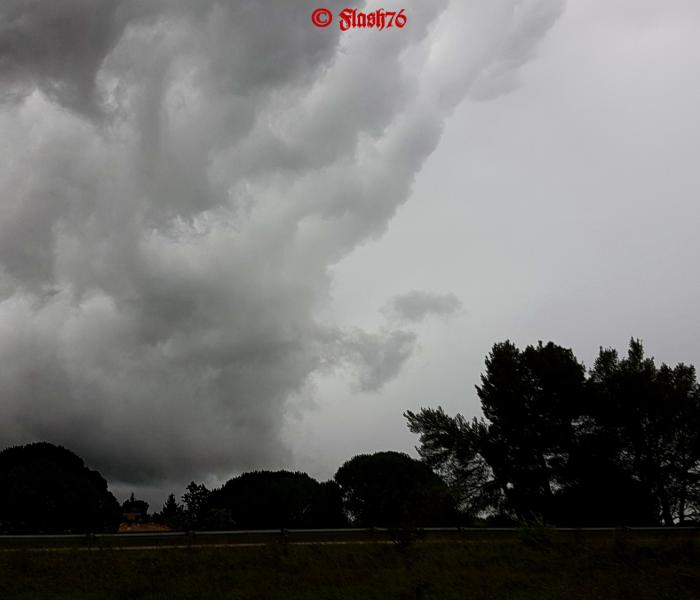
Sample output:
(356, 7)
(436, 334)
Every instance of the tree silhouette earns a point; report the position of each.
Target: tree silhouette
(172, 514)
(531, 400)
(621, 446)
(391, 489)
(48, 489)
(196, 505)
(453, 448)
(279, 499)
(653, 416)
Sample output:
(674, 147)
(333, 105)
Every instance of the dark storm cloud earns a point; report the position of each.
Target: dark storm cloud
(177, 179)
(58, 46)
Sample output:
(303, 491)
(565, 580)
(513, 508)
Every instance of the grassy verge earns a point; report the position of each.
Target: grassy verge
(539, 567)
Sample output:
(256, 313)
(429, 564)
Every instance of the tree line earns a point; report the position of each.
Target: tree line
(48, 489)
(616, 445)
(382, 489)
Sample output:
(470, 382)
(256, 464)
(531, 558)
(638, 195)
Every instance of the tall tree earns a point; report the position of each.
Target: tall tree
(196, 504)
(531, 400)
(653, 414)
(172, 514)
(620, 447)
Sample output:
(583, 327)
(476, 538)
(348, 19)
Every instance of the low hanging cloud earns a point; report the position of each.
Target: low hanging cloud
(370, 359)
(415, 306)
(176, 180)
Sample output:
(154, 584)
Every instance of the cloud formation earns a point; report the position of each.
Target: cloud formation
(415, 306)
(372, 359)
(177, 178)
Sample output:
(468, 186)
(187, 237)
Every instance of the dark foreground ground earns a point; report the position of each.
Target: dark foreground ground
(536, 564)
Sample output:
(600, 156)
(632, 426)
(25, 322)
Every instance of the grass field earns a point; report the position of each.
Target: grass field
(536, 565)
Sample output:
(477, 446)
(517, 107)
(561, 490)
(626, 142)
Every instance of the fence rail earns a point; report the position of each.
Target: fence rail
(321, 536)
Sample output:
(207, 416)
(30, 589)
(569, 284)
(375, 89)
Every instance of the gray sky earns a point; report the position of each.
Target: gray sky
(229, 240)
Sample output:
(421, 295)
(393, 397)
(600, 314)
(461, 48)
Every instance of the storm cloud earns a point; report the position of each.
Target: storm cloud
(176, 181)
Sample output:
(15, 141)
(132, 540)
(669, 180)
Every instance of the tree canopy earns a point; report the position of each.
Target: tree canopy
(619, 445)
(392, 489)
(279, 499)
(48, 489)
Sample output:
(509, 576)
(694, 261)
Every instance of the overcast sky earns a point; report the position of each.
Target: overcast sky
(230, 240)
